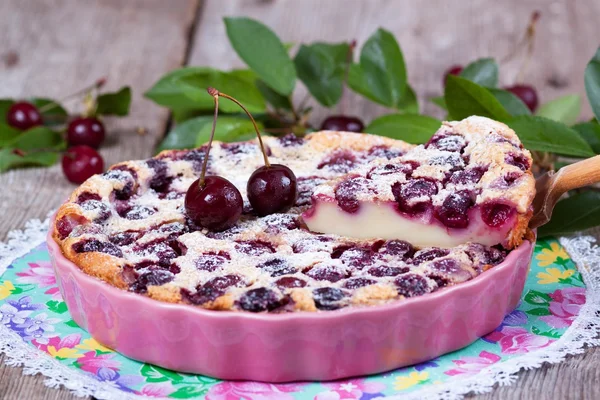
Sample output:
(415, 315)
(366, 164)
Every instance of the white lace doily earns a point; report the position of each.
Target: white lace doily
(583, 332)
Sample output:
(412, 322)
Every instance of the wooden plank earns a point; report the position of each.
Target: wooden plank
(58, 47)
(55, 47)
(433, 34)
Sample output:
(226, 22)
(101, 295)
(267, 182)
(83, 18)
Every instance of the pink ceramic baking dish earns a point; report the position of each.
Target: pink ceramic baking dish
(296, 346)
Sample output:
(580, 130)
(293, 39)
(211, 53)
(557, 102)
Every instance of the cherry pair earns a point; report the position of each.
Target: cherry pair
(215, 203)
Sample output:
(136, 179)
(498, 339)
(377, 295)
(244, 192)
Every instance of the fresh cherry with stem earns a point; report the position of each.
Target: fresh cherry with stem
(81, 162)
(343, 122)
(212, 201)
(23, 115)
(271, 188)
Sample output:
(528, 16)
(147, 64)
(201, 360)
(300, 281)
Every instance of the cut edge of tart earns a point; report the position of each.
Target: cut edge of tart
(128, 227)
(471, 182)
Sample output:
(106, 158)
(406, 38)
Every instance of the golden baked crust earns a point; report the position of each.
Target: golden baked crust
(128, 228)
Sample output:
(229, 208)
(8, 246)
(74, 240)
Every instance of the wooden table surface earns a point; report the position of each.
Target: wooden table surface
(54, 47)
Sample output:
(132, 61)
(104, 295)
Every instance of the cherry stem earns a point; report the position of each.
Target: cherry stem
(302, 105)
(349, 58)
(22, 153)
(294, 113)
(529, 36)
(215, 93)
(97, 85)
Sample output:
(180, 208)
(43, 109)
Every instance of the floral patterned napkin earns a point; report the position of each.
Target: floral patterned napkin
(34, 316)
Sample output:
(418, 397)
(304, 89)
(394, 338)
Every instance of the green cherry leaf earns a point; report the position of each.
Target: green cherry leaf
(206, 105)
(263, 52)
(440, 102)
(411, 128)
(357, 82)
(183, 136)
(245, 74)
(53, 114)
(590, 132)
(465, 98)
(229, 129)
(542, 134)
(5, 104)
(484, 72)
(565, 109)
(116, 103)
(592, 83)
(276, 100)
(289, 46)
(510, 102)
(575, 213)
(381, 74)
(9, 160)
(409, 102)
(321, 66)
(181, 115)
(167, 91)
(39, 137)
(233, 83)
(7, 134)
(382, 62)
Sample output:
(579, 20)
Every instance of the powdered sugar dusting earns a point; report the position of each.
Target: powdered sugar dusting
(147, 223)
(470, 156)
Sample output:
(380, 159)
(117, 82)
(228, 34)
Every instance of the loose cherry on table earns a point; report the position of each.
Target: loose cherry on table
(88, 131)
(23, 116)
(81, 162)
(342, 123)
(454, 70)
(527, 94)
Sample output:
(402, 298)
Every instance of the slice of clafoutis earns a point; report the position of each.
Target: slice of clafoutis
(471, 182)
